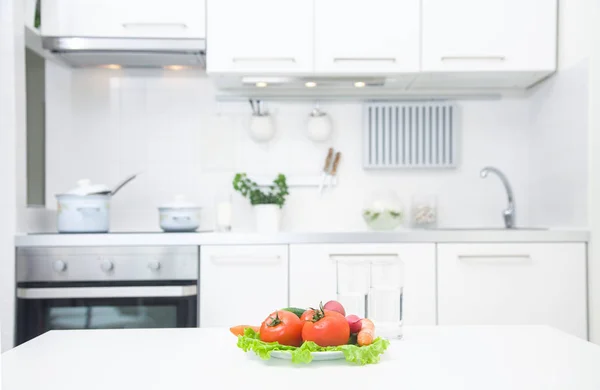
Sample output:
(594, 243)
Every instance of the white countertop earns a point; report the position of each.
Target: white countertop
(449, 358)
(441, 235)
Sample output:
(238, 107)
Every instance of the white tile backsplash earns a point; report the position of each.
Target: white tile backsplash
(170, 127)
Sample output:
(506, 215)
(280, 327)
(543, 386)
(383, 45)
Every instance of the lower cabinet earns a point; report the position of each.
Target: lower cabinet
(313, 275)
(513, 284)
(241, 284)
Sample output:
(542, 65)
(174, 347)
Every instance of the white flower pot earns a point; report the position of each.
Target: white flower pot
(268, 218)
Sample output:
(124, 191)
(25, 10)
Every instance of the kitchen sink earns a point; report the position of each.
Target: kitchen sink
(491, 228)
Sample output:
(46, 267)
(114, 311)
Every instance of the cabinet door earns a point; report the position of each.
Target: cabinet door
(513, 284)
(118, 18)
(260, 36)
(313, 275)
(493, 35)
(242, 284)
(378, 36)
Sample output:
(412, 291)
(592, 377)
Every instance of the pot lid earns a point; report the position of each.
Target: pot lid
(179, 202)
(85, 187)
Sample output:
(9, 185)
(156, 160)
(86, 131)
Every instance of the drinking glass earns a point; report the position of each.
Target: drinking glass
(385, 295)
(224, 208)
(353, 284)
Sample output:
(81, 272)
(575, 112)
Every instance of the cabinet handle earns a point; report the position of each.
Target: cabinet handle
(473, 58)
(334, 256)
(245, 260)
(364, 59)
(495, 259)
(263, 59)
(157, 24)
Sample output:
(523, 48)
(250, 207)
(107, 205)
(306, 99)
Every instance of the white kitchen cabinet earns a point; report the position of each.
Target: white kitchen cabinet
(242, 284)
(313, 275)
(118, 18)
(513, 284)
(493, 35)
(260, 36)
(374, 37)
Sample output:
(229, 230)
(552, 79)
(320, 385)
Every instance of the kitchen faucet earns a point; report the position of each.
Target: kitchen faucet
(509, 212)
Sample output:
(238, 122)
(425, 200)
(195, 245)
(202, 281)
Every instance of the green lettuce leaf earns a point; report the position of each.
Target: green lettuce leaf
(370, 354)
(365, 355)
(250, 341)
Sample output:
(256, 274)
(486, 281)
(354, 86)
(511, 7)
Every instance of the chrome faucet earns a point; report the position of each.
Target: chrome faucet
(509, 212)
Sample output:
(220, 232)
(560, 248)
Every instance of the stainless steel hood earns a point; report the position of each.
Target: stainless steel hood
(127, 52)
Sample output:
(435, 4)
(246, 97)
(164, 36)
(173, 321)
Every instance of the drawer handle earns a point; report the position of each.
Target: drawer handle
(245, 260)
(473, 58)
(364, 59)
(157, 24)
(264, 59)
(362, 256)
(495, 259)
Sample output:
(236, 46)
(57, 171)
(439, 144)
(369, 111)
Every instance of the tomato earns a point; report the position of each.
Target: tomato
(326, 328)
(282, 326)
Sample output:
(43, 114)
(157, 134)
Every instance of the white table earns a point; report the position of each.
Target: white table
(448, 358)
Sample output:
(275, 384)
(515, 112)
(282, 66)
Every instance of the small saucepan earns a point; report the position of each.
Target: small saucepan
(179, 216)
(85, 209)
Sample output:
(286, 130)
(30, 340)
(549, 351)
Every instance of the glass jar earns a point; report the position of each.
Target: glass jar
(424, 211)
(383, 211)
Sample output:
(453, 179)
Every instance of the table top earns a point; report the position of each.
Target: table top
(467, 357)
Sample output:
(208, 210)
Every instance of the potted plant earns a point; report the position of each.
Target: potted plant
(267, 203)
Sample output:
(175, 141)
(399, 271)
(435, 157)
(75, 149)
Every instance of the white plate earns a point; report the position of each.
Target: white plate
(325, 355)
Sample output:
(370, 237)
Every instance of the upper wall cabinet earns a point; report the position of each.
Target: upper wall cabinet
(260, 36)
(374, 37)
(467, 39)
(118, 18)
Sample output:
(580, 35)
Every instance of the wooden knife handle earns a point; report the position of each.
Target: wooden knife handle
(336, 162)
(328, 160)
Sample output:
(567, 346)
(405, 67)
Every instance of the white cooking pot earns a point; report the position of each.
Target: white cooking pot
(79, 212)
(179, 216)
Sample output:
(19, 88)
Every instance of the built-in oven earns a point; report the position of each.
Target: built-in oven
(105, 288)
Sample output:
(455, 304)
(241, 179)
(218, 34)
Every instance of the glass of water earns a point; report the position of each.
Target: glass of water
(385, 295)
(353, 282)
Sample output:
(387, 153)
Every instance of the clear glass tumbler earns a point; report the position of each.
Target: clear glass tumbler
(385, 295)
(353, 282)
(224, 212)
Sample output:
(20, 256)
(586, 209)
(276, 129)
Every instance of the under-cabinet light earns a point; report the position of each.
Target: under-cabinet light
(111, 66)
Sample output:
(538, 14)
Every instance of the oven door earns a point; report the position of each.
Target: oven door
(44, 308)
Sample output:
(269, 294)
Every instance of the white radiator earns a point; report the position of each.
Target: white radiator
(410, 135)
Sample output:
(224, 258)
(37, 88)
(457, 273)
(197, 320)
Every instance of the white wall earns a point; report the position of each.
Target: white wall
(12, 127)
(594, 173)
(169, 126)
(559, 123)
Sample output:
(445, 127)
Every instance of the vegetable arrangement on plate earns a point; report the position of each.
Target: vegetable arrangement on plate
(304, 333)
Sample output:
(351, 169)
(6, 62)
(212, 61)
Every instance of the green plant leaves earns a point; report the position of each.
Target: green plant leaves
(251, 190)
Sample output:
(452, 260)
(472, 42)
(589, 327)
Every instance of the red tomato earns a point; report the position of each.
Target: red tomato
(326, 328)
(282, 326)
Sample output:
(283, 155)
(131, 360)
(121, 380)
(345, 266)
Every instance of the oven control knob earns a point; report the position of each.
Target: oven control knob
(59, 266)
(154, 265)
(107, 266)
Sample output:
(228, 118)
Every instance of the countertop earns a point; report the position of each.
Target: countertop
(440, 235)
(450, 358)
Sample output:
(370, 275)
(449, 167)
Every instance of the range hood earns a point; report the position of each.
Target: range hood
(127, 52)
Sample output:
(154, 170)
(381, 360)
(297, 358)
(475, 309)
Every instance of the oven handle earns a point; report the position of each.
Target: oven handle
(107, 292)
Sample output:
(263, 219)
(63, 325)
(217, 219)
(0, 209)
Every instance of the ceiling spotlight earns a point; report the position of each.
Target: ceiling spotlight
(310, 84)
(261, 84)
(359, 84)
